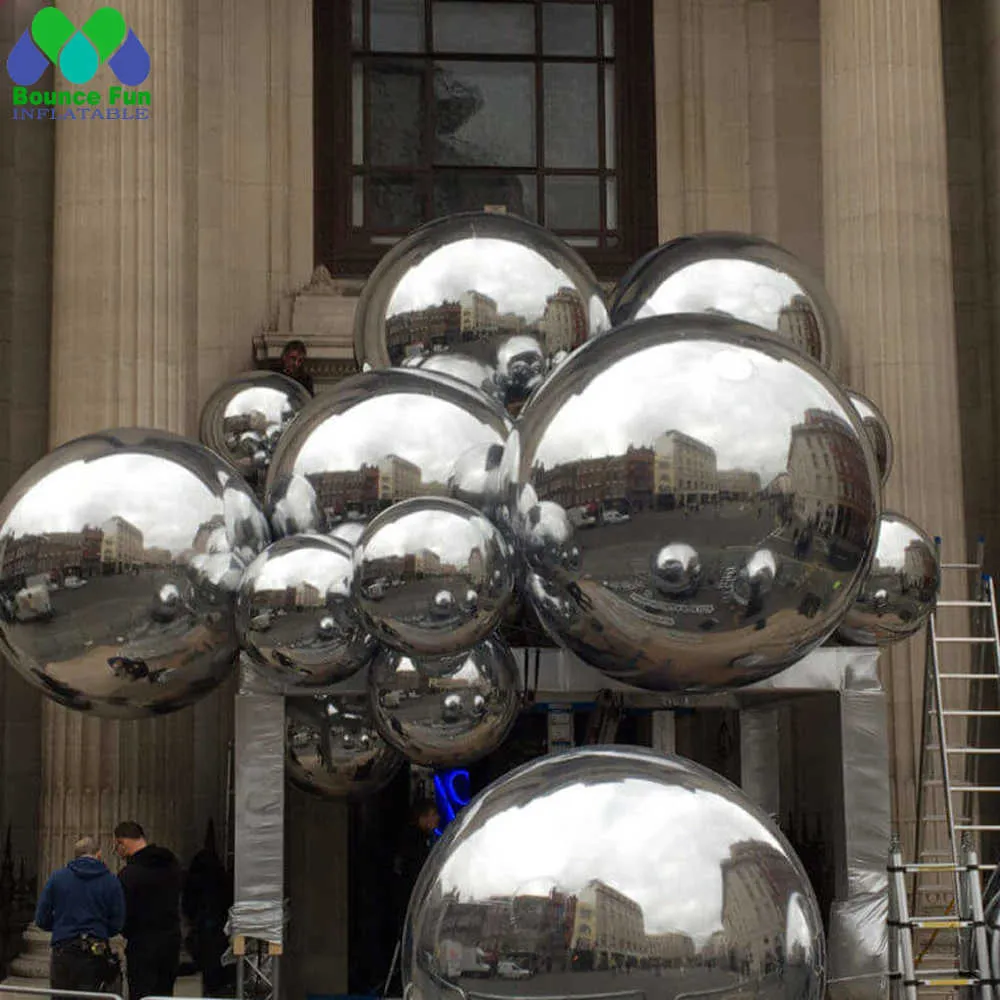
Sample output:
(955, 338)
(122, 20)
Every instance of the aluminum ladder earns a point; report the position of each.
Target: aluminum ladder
(972, 972)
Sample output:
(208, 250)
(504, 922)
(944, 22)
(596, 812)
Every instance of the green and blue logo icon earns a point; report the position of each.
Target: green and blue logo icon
(79, 53)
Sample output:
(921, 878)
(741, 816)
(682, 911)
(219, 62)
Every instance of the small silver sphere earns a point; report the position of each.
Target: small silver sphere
(900, 590)
(245, 418)
(737, 275)
(333, 749)
(295, 616)
(416, 565)
(349, 532)
(373, 440)
(696, 503)
(122, 554)
(465, 369)
(610, 860)
(479, 286)
(878, 431)
(443, 716)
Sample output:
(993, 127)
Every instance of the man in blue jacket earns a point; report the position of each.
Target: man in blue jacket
(83, 905)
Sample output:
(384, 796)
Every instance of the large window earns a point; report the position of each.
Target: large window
(428, 107)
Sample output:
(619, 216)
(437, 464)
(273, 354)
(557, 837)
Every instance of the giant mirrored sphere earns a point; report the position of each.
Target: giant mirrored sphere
(493, 289)
(373, 440)
(122, 554)
(245, 417)
(432, 577)
(295, 616)
(450, 715)
(332, 748)
(900, 591)
(697, 503)
(608, 860)
(737, 275)
(878, 432)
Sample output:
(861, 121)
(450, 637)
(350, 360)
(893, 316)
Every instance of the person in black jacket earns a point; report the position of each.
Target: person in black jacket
(152, 883)
(208, 894)
(84, 907)
(293, 364)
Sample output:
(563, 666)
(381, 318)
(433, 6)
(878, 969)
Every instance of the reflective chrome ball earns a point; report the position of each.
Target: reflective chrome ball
(465, 369)
(375, 439)
(432, 577)
(613, 859)
(900, 590)
(878, 431)
(121, 558)
(696, 502)
(737, 275)
(494, 290)
(296, 617)
(333, 749)
(245, 417)
(445, 714)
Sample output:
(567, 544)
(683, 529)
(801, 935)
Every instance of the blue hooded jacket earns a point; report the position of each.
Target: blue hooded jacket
(82, 898)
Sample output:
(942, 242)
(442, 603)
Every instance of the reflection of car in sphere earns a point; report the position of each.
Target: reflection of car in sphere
(507, 969)
(74, 583)
(33, 604)
(616, 517)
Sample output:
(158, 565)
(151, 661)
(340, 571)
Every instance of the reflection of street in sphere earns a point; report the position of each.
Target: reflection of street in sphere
(443, 715)
(583, 867)
(696, 503)
(296, 617)
(122, 556)
(878, 431)
(502, 294)
(432, 577)
(900, 590)
(245, 417)
(737, 275)
(332, 748)
(374, 440)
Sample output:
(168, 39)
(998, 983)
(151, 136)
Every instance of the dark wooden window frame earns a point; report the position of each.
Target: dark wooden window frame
(348, 253)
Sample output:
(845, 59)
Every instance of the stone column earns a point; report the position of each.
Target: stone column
(889, 270)
(123, 354)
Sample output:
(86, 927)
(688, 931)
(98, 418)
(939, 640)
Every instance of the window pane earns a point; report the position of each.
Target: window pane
(358, 24)
(471, 192)
(484, 28)
(569, 29)
(572, 203)
(394, 202)
(570, 115)
(397, 25)
(610, 130)
(358, 203)
(396, 112)
(358, 114)
(612, 203)
(484, 114)
(609, 31)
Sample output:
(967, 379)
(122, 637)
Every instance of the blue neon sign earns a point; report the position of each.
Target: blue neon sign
(453, 791)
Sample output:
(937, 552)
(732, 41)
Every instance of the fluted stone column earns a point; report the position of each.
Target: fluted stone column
(123, 354)
(889, 270)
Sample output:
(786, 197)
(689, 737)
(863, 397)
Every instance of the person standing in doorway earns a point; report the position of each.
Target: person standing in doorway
(152, 882)
(84, 907)
(293, 364)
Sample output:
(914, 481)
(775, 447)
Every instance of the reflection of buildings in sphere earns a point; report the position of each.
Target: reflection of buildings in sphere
(121, 546)
(797, 322)
(686, 470)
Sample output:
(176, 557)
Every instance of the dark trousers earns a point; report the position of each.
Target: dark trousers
(152, 967)
(75, 967)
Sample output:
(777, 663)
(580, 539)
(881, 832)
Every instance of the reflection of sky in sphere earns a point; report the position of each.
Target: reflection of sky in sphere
(752, 292)
(516, 277)
(894, 536)
(661, 846)
(414, 427)
(797, 928)
(260, 399)
(740, 401)
(447, 534)
(163, 499)
(311, 562)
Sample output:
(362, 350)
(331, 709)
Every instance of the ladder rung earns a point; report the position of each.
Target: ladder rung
(942, 819)
(960, 566)
(937, 923)
(936, 866)
(946, 982)
(976, 713)
(965, 750)
(977, 826)
(963, 604)
(964, 638)
(968, 677)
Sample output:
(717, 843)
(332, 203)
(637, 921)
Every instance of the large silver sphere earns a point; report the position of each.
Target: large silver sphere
(121, 560)
(432, 577)
(442, 717)
(296, 617)
(900, 590)
(878, 432)
(610, 860)
(376, 439)
(245, 417)
(697, 503)
(493, 289)
(333, 749)
(737, 275)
